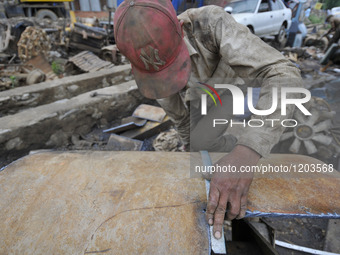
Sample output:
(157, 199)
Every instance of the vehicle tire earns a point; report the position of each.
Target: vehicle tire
(281, 38)
(251, 29)
(46, 14)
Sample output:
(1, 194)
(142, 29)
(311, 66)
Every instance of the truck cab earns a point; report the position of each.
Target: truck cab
(34, 8)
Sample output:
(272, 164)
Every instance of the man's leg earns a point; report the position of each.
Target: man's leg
(206, 137)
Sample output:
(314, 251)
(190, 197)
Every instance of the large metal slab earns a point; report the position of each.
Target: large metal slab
(117, 202)
(294, 194)
(132, 202)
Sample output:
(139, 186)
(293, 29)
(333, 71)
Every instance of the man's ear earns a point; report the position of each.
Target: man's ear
(181, 22)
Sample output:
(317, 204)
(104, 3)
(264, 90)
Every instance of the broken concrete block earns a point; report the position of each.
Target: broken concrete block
(35, 76)
(40, 62)
(121, 143)
(167, 141)
(79, 143)
(57, 139)
(73, 88)
(149, 112)
(15, 143)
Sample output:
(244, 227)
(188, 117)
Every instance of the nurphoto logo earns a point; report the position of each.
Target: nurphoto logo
(239, 104)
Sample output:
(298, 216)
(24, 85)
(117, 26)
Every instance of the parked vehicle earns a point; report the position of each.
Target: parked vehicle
(298, 31)
(263, 17)
(50, 9)
(182, 5)
(336, 12)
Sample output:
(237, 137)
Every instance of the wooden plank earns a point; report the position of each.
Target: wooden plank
(332, 243)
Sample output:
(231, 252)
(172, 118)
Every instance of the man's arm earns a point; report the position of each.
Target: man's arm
(230, 191)
(257, 63)
(254, 61)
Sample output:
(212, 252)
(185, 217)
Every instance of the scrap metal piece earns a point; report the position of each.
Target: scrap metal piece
(88, 62)
(5, 36)
(112, 54)
(95, 94)
(311, 129)
(302, 248)
(120, 143)
(150, 129)
(127, 124)
(40, 62)
(149, 112)
(33, 42)
(83, 37)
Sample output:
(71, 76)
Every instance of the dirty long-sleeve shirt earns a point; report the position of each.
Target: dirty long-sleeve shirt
(223, 51)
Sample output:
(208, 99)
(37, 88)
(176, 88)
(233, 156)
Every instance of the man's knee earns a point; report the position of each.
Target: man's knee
(223, 143)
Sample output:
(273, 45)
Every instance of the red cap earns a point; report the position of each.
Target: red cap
(148, 33)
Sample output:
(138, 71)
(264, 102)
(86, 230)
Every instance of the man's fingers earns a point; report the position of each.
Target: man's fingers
(234, 206)
(214, 196)
(219, 215)
(244, 200)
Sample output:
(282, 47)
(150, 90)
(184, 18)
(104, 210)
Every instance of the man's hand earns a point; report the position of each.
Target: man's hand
(229, 191)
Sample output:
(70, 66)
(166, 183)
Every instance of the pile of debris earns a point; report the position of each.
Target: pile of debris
(148, 128)
(47, 50)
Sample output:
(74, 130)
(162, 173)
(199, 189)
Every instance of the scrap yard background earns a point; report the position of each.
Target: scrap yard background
(64, 86)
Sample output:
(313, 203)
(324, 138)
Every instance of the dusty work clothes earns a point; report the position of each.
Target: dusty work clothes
(223, 51)
(336, 29)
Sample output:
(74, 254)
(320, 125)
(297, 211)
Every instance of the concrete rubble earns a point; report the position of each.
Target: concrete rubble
(21, 98)
(76, 115)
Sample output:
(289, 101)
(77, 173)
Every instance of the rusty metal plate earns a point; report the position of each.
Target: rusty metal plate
(293, 194)
(149, 112)
(132, 202)
(108, 202)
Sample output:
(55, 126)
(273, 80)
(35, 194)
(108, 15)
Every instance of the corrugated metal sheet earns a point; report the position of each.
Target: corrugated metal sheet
(89, 62)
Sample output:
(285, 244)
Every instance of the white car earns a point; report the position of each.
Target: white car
(263, 17)
(336, 12)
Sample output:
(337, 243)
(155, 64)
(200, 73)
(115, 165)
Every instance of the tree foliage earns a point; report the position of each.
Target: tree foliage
(329, 4)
